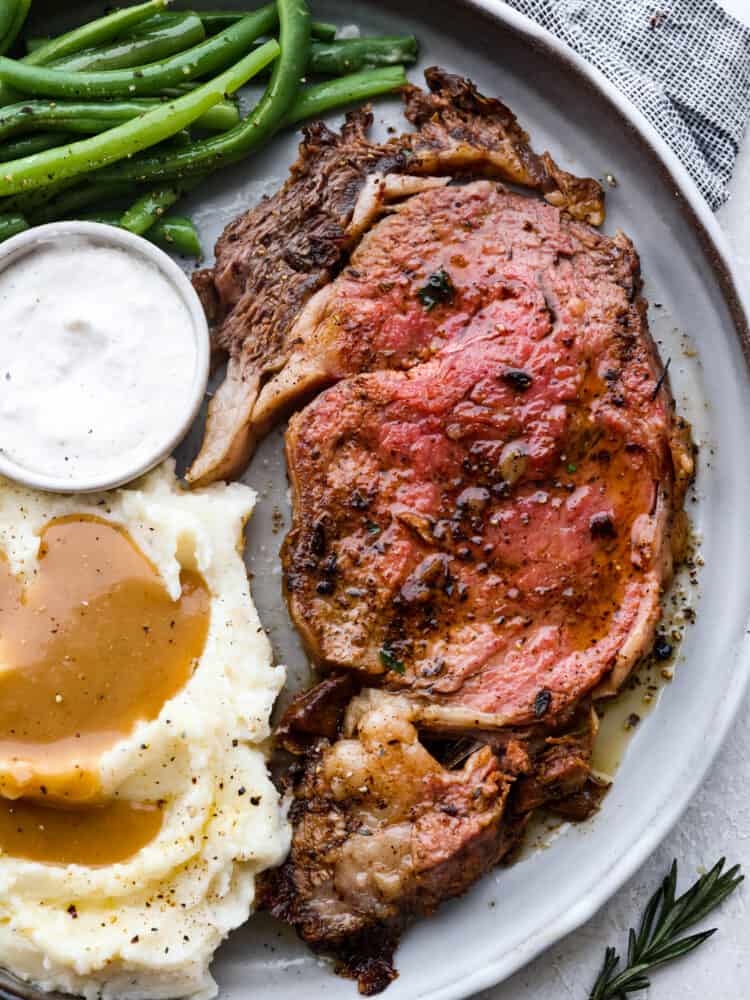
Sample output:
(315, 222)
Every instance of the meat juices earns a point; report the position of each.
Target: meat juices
(487, 493)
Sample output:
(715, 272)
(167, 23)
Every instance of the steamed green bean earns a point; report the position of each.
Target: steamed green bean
(322, 97)
(69, 204)
(174, 233)
(255, 129)
(217, 20)
(180, 34)
(28, 144)
(354, 54)
(208, 56)
(98, 32)
(88, 117)
(152, 205)
(12, 224)
(14, 15)
(131, 137)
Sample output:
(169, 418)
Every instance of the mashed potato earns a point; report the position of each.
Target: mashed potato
(148, 926)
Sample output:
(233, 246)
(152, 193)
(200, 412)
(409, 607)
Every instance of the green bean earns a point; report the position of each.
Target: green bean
(220, 118)
(12, 224)
(263, 122)
(179, 140)
(131, 137)
(32, 44)
(87, 117)
(149, 208)
(141, 216)
(316, 100)
(29, 202)
(217, 20)
(29, 144)
(174, 233)
(177, 36)
(354, 54)
(99, 32)
(8, 11)
(68, 204)
(323, 30)
(15, 16)
(207, 57)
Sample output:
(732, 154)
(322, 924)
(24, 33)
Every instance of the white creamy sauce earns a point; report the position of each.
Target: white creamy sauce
(97, 360)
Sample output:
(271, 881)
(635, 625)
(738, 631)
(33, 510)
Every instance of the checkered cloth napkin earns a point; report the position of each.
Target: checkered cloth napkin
(684, 63)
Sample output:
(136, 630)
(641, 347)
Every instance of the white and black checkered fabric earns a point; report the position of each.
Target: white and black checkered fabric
(684, 63)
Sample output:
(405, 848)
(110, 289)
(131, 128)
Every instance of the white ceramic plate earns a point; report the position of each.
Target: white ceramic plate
(513, 914)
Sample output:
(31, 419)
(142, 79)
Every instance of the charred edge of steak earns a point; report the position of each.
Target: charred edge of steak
(486, 122)
(315, 713)
(459, 831)
(366, 956)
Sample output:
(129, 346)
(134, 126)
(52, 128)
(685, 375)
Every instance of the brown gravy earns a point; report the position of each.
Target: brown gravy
(92, 646)
(103, 835)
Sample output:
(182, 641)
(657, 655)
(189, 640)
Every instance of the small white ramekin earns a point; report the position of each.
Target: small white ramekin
(25, 243)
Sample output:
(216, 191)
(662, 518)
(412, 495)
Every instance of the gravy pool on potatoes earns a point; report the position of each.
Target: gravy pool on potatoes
(136, 684)
(93, 646)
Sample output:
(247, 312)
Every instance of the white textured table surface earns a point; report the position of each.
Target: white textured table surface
(716, 823)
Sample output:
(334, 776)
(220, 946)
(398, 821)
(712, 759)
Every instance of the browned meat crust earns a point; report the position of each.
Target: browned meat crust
(384, 831)
(270, 261)
(460, 129)
(317, 712)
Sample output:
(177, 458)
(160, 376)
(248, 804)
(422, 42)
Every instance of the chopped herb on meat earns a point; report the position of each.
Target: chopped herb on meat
(542, 702)
(390, 661)
(439, 288)
(517, 378)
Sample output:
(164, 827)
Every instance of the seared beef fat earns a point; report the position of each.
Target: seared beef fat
(383, 831)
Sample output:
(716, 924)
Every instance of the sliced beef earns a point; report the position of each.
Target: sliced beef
(273, 259)
(385, 829)
(488, 526)
(486, 500)
(383, 832)
(487, 494)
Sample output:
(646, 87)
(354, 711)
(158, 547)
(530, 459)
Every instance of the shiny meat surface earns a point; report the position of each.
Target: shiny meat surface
(487, 526)
(273, 259)
(384, 832)
(385, 829)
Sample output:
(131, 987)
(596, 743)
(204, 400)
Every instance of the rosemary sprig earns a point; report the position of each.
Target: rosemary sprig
(659, 939)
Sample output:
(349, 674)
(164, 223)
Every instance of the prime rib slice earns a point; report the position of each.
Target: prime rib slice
(384, 830)
(271, 261)
(487, 495)
(486, 524)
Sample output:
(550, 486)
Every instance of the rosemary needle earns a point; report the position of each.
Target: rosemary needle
(659, 938)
